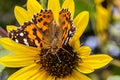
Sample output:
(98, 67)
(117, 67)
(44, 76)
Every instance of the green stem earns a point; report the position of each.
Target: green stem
(43, 3)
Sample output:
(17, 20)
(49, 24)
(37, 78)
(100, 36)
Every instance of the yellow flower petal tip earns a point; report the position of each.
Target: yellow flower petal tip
(86, 15)
(11, 27)
(21, 15)
(105, 59)
(85, 12)
(98, 61)
(108, 58)
(33, 6)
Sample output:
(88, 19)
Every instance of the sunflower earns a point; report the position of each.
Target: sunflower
(102, 15)
(103, 12)
(72, 65)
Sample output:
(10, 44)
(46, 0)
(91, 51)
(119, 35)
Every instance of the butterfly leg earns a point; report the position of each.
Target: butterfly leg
(58, 57)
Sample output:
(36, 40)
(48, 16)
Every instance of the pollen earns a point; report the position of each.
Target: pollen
(60, 64)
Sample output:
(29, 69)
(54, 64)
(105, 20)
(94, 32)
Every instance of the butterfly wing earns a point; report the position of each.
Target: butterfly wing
(36, 33)
(42, 30)
(46, 25)
(27, 35)
(66, 25)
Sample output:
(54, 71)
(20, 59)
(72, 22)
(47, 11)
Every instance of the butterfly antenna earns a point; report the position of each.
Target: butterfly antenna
(82, 44)
(65, 50)
(46, 53)
(58, 57)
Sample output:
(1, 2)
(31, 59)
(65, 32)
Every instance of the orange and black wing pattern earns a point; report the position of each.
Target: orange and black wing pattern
(42, 31)
(32, 33)
(66, 23)
(27, 35)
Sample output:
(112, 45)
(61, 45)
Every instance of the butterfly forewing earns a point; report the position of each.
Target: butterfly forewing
(46, 25)
(27, 35)
(66, 25)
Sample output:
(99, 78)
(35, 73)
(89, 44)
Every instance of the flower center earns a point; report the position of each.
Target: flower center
(60, 64)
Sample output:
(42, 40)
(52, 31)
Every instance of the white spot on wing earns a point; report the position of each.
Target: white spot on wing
(25, 41)
(15, 36)
(12, 34)
(21, 34)
(16, 40)
(70, 32)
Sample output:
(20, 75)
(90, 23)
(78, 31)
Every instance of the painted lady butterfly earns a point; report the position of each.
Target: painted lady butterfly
(43, 32)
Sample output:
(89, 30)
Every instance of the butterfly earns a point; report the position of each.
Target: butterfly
(43, 32)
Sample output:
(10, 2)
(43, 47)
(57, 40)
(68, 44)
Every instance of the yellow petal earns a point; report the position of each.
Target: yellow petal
(12, 46)
(102, 18)
(11, 27)
(70, 5)
(84, 68)
(41, 73)
(97, 61)
(80, 23)
(75, 44)
(70, 78)
(66, 78)
(18, 60)
(54, 5)
(78, 76)
(51, 78)
(83, 51)
(33, 7)
(21, 15)
(25, 73)
(44, 76)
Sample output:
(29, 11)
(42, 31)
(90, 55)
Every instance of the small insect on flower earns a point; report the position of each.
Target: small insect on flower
(47, 46)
